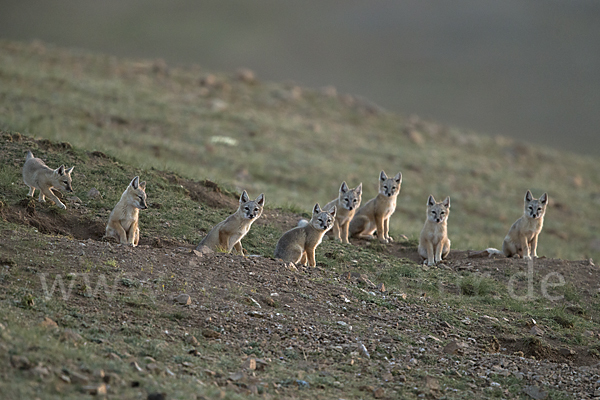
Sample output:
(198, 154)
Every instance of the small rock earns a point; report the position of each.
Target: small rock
(536, 331)
(589, 334)
(65, 378)
(431, 383)
(94, 193)
(95, 390)
(249, 364)
(136, 366)
(20, 362)
(152, 367)
(74, 200)
(453, 347)
(114, 357)
(381, 287)
(70, 335)
(192, 340)
(237, 376)
(210, 334)
(203, 250)
(363, 350)
(567, 352)
(379, 393)
(77, 377)
(183, 299)
(149, 359)
(246, 75)
(157, 396)
(270, 302)
(535, 392)
(48, 323)
(40, 371)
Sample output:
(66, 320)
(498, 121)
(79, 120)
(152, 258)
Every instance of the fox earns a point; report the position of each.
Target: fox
(522, 238)
(37, 175)
(347, 203)
(434, 244)
(123, 220)
(298, 245)
(375, 214)
(227, 235)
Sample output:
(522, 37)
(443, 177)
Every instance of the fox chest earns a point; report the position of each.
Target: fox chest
(388, 208)
(128, 219)
(435, 232)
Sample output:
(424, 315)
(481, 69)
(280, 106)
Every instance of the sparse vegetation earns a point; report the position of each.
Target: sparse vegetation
(305, 325)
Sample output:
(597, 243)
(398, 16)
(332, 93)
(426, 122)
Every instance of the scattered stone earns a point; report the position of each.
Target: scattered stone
(95, 390)
(136, 366)
(536, 331)
(453, 347)
(70, 335)
(535, 392)
(192, 340)
(152, 367)
(589, 334)
(363, 350)
(210, 334)
(74, 200)
(48, 323)
(249, 364)
(20, 362)
(114, 357)
(149, 359)
(567, 352)
(381, 287)
(379, 393)
(40, 371)
(269, 301)
(218, 105)
(65, 378)
(94, 193)
(237, 376)
(77, 377)
(446, 325)
(157, 396)
(202, 250)
(246, 75)
(183, 299)
(431, 383)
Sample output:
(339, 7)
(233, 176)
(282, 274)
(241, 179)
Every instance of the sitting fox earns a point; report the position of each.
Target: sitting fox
(346, 204)
(522, 238)
(123, 220)
(298, 244)
(375, 214)
(38, 175)
(227, 235)
(434, 244)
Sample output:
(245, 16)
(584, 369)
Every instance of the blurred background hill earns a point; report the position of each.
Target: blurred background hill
(524, 69)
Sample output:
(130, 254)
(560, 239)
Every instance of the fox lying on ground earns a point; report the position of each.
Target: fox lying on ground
(298, 244)
(346, 204)
(375, 214)
(227, 235)
(37, 175)
(434, 244)
(522, 238)
(123, 220)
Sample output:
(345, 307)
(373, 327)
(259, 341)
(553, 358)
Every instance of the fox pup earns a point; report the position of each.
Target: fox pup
(38, 175)
(299, 243)
(227, 234)
(375, 214)
(434, 243)
(346, 204)
(522, 238)
(123, 220)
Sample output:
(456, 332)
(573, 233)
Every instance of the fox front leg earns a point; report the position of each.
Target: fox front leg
(311, 257)
(430, 254)
(386, 227)
(525, 249)
(438, 252)
(48, 193)
(534, 242)
(131, 234)
(237, 246)
(31, 191)
(381, 230)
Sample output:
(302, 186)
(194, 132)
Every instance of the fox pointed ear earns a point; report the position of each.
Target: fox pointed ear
(431, 200)
(446, 202)
(135, 182)
(69, 170)
(398, 177)
(382, 176)
(316, 209)
(544, 198)
(344, 187)
(60, 170)
(333, 211)
(143, 185)
(244, 197)
(261, 199)
(528, 196)
(359, 189)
